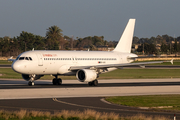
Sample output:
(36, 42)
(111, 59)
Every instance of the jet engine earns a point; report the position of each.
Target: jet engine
(28, 77)
(86, 75)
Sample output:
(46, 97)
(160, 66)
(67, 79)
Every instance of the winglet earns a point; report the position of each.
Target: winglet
(171, 61)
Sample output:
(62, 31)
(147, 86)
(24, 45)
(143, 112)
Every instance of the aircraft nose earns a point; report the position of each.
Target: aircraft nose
(16, 67)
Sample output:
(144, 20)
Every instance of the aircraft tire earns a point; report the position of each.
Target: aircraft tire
(59, 81)
(95, 82)
(54, 81)
(90, 83)
(30, 83)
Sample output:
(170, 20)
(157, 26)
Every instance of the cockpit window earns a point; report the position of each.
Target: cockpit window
(21, 58)
(24, 58)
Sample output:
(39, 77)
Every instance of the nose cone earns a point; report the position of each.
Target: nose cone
(16, 67)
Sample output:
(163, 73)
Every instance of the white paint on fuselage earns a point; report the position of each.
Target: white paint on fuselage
(58, 62)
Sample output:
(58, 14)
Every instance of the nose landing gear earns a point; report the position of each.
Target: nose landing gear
(31, 82)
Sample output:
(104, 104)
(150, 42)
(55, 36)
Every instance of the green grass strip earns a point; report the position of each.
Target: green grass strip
(117, 74)
(141, 73)
(152, 101)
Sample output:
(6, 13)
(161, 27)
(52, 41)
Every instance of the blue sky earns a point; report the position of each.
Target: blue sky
(82, 18)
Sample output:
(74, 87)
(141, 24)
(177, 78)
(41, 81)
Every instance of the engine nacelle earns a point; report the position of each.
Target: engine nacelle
(28, 77)
(86, 75)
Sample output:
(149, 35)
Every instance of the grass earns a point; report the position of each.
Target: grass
(5, 62)
(151, 101)
(117, 74)
(71, 115)
(141, 73)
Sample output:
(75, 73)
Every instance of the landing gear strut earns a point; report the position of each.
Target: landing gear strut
(57, 81)
(31, 82)
(93, 83)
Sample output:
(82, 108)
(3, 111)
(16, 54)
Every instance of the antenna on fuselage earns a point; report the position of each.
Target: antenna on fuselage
(33, 49)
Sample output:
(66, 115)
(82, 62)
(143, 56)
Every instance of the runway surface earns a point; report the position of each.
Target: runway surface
(73, 95)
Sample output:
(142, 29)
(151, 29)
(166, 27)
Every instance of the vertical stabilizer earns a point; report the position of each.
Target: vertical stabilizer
(125, 42)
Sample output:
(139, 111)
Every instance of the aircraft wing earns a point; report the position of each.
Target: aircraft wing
(141, 64)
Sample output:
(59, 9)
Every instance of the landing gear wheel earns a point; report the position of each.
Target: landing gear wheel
(57, 81)
(30, 83)
(95, 82)
(90, 83)
(54, 81)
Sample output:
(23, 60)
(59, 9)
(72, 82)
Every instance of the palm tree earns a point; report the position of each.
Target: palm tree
(53, 37)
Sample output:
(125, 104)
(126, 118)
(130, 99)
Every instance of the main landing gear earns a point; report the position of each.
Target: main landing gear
(57, 81)
(93, 83)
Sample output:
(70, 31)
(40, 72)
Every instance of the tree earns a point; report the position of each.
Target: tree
(135, 40)
(164, 48)
(148, 48)
(168, 38)
(26, 41)
(54, 37)
(14, 47)
(39, 43)
(175, 46)
(5, 46)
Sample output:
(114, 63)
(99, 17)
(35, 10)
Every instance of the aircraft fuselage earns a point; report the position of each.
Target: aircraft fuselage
(58, 62)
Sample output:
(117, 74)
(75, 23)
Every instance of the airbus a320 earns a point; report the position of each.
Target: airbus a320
(85, 65)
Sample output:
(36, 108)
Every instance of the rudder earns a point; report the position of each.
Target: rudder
(125, 42)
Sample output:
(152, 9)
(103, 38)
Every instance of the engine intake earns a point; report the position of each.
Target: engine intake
(86, 75)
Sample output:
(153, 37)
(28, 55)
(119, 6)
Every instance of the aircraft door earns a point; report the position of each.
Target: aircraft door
(40, 59)
(74, 60)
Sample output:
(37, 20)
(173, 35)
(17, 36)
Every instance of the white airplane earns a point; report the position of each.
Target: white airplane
(86, 65)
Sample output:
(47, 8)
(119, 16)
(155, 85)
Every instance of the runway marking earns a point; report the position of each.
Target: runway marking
(55, 99)
(141, 110)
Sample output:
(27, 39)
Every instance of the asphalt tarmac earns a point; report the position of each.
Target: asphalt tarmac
(73, 95)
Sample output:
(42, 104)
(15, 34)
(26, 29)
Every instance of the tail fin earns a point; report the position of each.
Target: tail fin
(125, 42)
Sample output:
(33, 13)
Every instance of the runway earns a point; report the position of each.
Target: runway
(73, 95)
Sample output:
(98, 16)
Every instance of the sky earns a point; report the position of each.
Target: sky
(82, 18)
